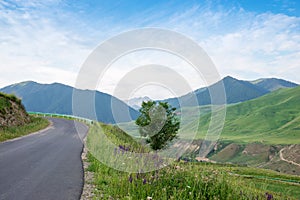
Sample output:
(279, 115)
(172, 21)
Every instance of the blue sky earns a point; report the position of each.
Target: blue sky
(47, 41)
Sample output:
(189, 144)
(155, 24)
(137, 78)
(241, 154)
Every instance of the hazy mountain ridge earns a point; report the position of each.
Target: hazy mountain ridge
(57, 98)
(272, 84)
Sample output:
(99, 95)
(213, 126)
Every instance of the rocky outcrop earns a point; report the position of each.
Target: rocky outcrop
(12, 112)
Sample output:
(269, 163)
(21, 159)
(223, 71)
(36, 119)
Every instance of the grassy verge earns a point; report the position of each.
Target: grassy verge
(37, 123)
(187, 180)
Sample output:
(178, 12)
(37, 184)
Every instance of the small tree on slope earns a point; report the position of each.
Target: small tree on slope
(158, 123)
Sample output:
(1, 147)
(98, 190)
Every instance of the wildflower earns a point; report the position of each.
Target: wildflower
(269, 196)
(144, 181)
(130, 179)
(155, 156)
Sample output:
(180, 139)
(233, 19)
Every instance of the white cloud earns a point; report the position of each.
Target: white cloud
(32, 47)
(35, 44)
(270, 47)
(170, 67)
(244, 44)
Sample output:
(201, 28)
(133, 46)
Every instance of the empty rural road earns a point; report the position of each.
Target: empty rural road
(45, 165)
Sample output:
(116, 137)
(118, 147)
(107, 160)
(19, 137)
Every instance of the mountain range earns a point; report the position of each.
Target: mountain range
(236, 91)
(57, 98)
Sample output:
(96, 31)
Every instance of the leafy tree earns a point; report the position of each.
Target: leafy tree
(158, 123)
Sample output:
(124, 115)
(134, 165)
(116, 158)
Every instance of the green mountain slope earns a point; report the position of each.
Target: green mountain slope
(272, 119)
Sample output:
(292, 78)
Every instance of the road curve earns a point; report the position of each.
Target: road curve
(45, 165)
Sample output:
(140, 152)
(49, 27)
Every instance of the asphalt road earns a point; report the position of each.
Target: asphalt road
(45, 165)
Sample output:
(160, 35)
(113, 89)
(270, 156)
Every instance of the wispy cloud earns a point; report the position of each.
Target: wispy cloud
(244, 44)
(33, 47)
(267, 48)
(48, 41)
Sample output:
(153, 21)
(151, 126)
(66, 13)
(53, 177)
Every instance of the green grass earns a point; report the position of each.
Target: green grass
(36, 124)
(268, 180)
(178, 181)
(4, 103)
(181, 180)
(227, 153)
(10, 97)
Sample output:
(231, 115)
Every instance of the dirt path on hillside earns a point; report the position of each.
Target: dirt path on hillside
(289, 161)
(289, 123)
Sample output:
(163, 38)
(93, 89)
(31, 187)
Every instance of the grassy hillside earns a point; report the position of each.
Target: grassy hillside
(14, 120)
(259, 155)
(183, 180)
(256, 131)
(270, 119)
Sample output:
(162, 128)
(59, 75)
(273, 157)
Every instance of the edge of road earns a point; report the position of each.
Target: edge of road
(88, 187)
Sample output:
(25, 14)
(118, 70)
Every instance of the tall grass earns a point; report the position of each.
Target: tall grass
(177, 181)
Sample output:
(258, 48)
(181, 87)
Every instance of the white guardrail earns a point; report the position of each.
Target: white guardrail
(62, 116)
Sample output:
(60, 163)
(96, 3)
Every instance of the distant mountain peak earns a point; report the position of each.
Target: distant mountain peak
(136, 102)
(229, 77)
(22, 83)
